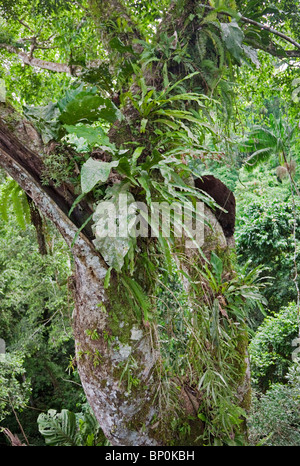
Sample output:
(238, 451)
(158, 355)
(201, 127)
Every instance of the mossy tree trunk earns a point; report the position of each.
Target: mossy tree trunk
(107, 333)
(118, 358)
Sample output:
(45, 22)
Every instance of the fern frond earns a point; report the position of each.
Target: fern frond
(218, 46)
(5, 193)
(201, 42)
(261, 138)
(13, 197)
(17, 206)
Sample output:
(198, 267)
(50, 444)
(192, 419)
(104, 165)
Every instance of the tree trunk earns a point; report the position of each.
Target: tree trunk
(117, 351)
(98, 357)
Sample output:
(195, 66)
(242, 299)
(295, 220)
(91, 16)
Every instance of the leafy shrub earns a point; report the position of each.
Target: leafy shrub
(69, 429)
(265, 236)
(14, 389)
(275, 417)
(271, 348)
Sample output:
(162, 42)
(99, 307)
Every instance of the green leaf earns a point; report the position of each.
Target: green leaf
(138, 151)
(72, 94)
(77, 200)
(217, 266)
(88, 108)
(45, 120)
(166, 122)
(257, 157)
(143, 125)
(58, 429)
(113, 222)
(107, 278)
(138, 294)
(80, 229)
(233, 37)
(251, 53)
(93, 172)
(144, 181)
(125, 168)
(169, 89)
(93, 136)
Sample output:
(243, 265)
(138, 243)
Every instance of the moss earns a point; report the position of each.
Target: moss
(10, 116)
(121, 316)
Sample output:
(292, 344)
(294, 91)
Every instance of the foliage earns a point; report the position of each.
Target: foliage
(35, 311)
(68, 429)
(274, 418)
(79, 104)
(272, 346)
(199, 344)
(278, 138)
(265, 233)
(14, 387)
(144, 108)
(12, 197)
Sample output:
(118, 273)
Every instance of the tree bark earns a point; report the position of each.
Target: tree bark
(98, 359)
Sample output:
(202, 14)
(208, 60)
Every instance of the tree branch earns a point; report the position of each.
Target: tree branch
(273, 31)
(39, 63)
(290, 53)
(74, 70)
(22, 149)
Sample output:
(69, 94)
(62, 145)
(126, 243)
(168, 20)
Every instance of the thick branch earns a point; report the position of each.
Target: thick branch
(110, 400)
(39, 63)
(40, 197)
(21, 142)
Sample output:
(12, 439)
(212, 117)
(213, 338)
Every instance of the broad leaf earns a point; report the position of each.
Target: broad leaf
(58, 429)
(95, 171)
(233, 37)
(87, 108)
(45, 120)
(93, 136)
(114, 220)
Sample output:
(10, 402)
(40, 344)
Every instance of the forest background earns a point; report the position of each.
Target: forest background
(252, 146)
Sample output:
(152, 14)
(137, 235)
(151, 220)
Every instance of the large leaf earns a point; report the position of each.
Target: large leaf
(87, 107)
(93, 137)
(95, 171)
(233, 37)
(251, 53)
(58, 429)
(71, 94)
(78, 105)
(45, 120)
(111, 216)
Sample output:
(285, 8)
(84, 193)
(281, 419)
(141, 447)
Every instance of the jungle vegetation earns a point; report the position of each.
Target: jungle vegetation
(136, 342)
